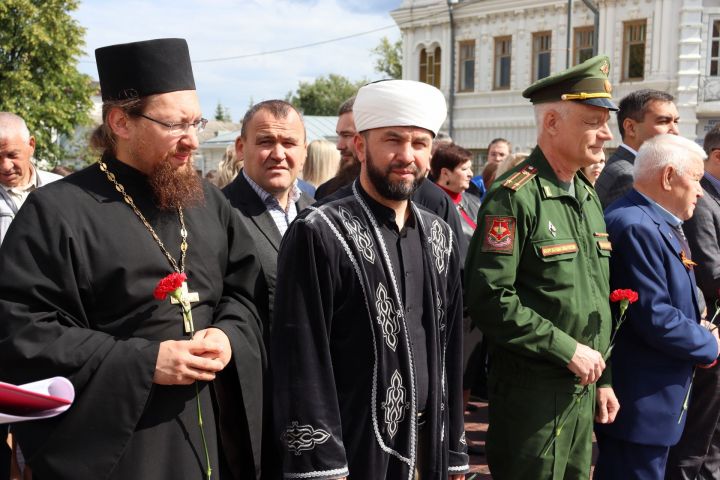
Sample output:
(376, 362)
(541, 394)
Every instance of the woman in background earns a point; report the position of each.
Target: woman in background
(322, 162)
(451, 167)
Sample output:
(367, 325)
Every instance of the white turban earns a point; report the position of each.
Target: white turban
(399, 103)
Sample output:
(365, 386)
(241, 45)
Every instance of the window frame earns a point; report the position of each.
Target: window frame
(496, 62)
(461, 66)
(710, 57)
(590, 30)
(432, 65)
(626, 49)
(536, 36)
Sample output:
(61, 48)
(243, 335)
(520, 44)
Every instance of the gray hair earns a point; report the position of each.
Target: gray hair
(663, 150)
(11, 124)
(541, 109)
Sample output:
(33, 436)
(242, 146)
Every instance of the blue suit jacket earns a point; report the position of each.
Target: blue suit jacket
(661, 340)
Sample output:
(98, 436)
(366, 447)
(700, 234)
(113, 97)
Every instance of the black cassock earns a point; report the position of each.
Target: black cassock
(76, 299)
(343, 364)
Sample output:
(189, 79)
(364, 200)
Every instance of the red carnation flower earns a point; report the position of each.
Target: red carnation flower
(168, 285)
(624, 294)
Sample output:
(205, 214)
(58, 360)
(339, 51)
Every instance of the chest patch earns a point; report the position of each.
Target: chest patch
(499, 235)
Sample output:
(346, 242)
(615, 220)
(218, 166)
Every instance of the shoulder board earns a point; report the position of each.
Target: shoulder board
(518, 179)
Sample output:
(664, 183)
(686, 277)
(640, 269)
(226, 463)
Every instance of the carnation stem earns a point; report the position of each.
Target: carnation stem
(565, 418)
(586, 389)
(202, 431)
(208, 472)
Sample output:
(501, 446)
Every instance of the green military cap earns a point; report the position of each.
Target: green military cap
(587, 83)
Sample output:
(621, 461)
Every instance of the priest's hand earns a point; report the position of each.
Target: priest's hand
(182, 362)
(220, 339)
(587, 364)
(607, 405)
(457, 477)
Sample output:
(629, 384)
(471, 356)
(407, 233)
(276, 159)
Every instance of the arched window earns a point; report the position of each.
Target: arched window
(430, 66)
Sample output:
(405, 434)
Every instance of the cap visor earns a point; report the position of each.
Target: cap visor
(600, 102)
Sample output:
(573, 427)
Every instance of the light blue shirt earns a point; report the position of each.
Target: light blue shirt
(282, 217)
(671, 219)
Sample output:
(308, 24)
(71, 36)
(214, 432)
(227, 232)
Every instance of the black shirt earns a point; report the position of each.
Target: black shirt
(406, 257)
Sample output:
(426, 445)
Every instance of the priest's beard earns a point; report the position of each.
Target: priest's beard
(175, 187)
(380, 179)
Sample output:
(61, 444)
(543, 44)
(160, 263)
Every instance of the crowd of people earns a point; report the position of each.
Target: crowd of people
(334, 306)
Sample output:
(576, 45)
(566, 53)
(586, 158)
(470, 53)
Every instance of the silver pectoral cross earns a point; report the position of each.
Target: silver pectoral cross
(187, 298)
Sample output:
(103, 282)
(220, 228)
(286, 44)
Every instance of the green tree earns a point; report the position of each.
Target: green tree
(222, 114)
(324, 95)
(39, 47)
(389, 58)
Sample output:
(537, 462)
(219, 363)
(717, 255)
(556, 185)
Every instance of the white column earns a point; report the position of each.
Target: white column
(689, 66)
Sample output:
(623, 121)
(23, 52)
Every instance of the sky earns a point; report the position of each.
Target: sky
(218, 29)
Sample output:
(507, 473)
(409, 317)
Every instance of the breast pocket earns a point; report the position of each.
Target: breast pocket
(556, 262)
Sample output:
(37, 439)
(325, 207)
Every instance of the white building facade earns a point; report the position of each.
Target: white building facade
(500, 47)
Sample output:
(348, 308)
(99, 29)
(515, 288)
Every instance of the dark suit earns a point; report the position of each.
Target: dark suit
(697, 455)
(658, 346)
(266, 236)
(616, 178)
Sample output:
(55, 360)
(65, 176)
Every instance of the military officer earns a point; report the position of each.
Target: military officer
(537, 286)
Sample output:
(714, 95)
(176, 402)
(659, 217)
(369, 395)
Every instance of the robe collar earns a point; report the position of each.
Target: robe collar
(385, 215)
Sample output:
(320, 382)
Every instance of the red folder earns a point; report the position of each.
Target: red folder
(19, 401)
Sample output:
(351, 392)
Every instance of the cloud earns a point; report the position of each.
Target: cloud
(234, 28)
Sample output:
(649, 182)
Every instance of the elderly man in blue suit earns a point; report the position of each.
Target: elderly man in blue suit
(662, 340)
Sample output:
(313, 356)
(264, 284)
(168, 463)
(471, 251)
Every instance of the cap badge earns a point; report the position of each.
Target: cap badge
(605, 68)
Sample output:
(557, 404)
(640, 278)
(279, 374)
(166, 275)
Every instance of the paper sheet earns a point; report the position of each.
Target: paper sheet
(57, 387)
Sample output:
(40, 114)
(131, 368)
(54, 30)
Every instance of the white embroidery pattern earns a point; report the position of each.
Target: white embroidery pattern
(413, 406)
(395, 404)
(360, 236)
(462, 439)
(388, 316)
(301, 438)
(440, 311)
(438, 243)
(374, 393)
(343, 472)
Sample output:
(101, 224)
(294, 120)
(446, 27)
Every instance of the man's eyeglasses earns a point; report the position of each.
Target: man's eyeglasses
(178, 129)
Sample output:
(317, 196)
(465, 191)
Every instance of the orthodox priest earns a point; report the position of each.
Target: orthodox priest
(80, 265)
(367, 337)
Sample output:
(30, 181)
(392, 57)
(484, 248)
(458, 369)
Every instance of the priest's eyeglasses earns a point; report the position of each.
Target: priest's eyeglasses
(178, 129)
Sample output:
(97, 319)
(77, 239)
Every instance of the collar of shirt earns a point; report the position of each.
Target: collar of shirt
(269, 200)
(24, 189)
(628, 149)
(713, 180)
(667, 216)
(385, 215)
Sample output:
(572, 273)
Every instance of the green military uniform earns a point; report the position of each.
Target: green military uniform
(537, 276)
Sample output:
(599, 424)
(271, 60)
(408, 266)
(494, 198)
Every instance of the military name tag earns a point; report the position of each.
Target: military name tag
(605, 245)
(499, 234)
(551, 250)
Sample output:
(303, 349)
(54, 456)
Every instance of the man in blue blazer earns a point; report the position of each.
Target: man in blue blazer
(662, 340)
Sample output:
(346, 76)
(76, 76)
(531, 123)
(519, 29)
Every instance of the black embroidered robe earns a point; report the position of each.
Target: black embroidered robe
(344, 371)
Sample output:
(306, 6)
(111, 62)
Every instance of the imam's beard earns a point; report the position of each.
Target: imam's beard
(175, 187)
(400, 190)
